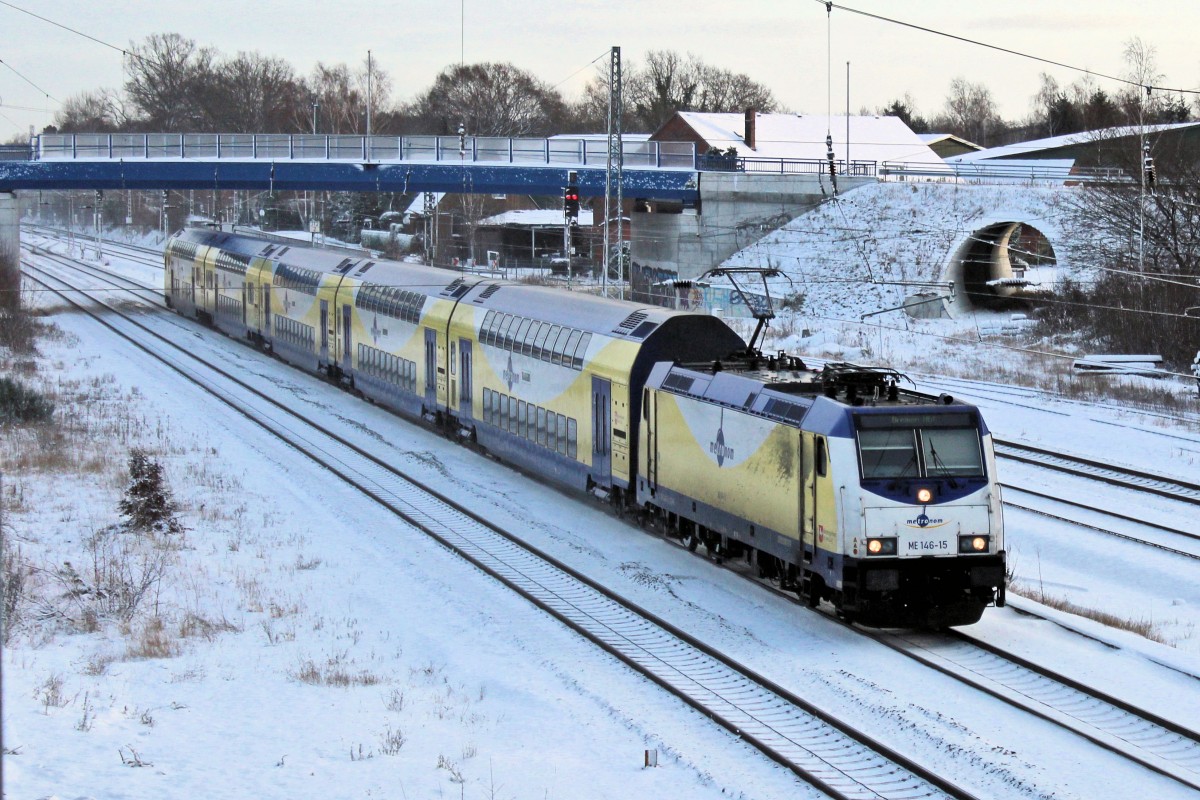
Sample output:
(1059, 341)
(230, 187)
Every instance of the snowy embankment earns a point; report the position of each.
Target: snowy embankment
(861, 252)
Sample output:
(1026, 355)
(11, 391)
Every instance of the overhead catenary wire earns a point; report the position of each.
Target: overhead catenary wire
(1010, 51)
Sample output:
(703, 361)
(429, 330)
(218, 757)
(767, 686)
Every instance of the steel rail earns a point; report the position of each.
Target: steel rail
(1147, 739)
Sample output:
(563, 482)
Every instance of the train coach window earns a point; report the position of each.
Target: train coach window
(487, 406)
(504, 412)
(541, 426)
(581, 350)
(522, 424)
(518, 338)
(562, 434)
(540, 340)
(559, 346)
(572, 345)
(485, 327)
(551, 440)
(572, 438)
(551, 352)
(503, 337)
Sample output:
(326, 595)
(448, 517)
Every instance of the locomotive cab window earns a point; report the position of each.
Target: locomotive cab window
(919, 446)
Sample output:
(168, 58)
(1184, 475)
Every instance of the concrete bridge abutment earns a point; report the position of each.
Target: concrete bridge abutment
(736, 209)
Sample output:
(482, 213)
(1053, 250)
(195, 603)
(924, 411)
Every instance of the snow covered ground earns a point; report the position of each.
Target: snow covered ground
(311, 645)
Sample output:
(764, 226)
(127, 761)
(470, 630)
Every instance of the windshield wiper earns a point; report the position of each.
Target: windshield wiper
(939, 465)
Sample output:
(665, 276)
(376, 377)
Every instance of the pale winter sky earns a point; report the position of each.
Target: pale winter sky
(781, 44)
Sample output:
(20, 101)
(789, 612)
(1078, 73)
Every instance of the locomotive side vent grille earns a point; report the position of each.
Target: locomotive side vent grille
(488, 292)
(679, 383)
(784, 410)
(631, 322)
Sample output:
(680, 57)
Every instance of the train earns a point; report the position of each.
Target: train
(837, 483)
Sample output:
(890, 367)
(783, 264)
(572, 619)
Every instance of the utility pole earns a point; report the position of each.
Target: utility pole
(614, 177)
(368, 98)
(97, 221)
(570, 218)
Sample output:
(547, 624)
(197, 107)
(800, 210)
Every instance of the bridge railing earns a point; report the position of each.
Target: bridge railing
(498, 150)
(995, 170)
(784, 166)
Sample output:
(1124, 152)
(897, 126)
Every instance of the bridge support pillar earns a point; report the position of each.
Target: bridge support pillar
(10, 236)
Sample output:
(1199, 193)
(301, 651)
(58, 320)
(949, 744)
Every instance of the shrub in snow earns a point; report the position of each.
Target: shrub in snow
(147, 504)
(20, 404)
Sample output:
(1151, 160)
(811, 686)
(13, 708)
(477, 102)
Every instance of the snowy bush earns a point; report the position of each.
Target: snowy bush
(20, 404)
(147, 504)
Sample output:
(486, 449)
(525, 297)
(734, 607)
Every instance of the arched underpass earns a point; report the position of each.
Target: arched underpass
(989, 268)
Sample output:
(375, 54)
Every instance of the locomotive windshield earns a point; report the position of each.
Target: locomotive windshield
(919, 446)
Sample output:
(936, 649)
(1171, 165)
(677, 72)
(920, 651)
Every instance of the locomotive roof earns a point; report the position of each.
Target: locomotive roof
(785, 388)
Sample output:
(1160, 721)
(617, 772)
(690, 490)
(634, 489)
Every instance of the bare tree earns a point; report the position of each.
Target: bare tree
(669, 82)
(490, 100)
(98, 111)
(170, 82)
(1148, 245)
(970, 112)
(723, 90)
(666, 84)
(256, 94)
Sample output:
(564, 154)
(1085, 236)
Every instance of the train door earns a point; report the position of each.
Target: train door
(347, 319)
(266, 293)
(431, 368)
(650, 420)
(601, 431)
(325, 331)
(245, 302)
(808, 498)
(464, 378)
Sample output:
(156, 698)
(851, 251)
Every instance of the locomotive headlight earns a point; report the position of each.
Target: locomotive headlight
(974, 544)
(924, 495)
(881, 547)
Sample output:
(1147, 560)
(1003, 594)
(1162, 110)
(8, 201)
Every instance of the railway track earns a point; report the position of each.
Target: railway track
(1137, 480)
(1156, 743)
(148, 256)
(818, 747)
(1167, 538)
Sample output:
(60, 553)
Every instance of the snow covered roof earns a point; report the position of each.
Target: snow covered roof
(803, 136)
(536, 218)
(934, 138)
(602, 137)
(1031, 148)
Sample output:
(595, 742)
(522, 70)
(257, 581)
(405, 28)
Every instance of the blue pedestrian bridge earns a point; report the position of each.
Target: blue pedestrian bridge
(409, 164)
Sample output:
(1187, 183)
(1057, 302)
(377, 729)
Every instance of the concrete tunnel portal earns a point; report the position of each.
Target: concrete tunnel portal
(989, 269)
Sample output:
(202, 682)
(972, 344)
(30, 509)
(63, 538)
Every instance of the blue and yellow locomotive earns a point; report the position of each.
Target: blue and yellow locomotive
(833, 483)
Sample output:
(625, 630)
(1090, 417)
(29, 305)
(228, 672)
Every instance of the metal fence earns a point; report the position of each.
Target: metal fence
(995, 170)
(475, 149)
(784, 166)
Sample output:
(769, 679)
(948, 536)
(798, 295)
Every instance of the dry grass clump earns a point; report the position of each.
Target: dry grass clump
(333, 673)
(152, 641)
(1144, 628)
